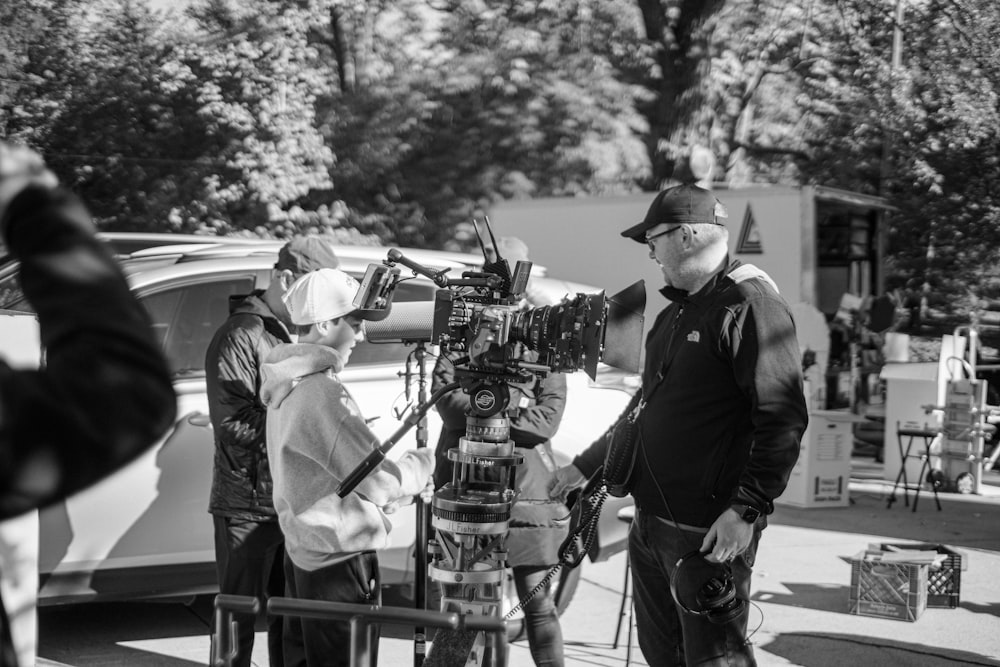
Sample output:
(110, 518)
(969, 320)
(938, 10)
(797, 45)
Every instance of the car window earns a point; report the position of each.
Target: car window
(11, 294)
(367, 353)
(186, 317)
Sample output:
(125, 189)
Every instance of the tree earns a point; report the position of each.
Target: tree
(502, 101)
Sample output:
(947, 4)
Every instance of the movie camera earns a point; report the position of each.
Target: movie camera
(482, 321)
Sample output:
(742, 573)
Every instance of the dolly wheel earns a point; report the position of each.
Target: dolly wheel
(936, 479)
(964, 483)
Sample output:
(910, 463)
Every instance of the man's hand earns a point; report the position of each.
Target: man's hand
(564, 480)
(19, 168)
(728, 537)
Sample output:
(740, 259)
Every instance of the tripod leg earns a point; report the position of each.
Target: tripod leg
(621, 609)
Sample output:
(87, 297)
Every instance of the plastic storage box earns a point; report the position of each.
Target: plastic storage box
(887, 589)
(944, 583)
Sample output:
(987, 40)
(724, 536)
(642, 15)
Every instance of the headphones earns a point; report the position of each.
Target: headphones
(705, 589)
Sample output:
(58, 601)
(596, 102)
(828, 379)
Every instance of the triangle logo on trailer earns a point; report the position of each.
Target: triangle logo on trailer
(749, 241)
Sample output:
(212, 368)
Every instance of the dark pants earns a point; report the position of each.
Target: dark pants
(249, 558)
(541, 618)
(326, 643)
(669, 636)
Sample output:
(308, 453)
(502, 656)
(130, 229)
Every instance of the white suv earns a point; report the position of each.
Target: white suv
(146, 531)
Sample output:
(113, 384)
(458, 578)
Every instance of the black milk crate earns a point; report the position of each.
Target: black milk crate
(943, 583)
(888, 590)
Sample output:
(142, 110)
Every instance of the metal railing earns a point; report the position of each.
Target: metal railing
(361, 618)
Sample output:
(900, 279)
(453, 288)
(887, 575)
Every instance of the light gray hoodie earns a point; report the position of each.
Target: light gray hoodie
(316, 436)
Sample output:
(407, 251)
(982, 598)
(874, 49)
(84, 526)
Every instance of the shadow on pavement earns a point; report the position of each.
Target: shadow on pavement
(963, 521)
(808, 596)
(828, 650)
(97, 633)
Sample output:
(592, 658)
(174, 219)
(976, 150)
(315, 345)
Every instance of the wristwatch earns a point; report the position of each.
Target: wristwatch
(747, 513)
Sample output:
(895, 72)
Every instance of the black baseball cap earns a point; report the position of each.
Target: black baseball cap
(682, 204)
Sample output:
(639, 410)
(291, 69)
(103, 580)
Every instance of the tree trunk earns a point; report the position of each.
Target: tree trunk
(681, 31)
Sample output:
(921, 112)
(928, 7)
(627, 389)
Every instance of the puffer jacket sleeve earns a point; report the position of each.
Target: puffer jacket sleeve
(538, 421)
(238, 413)
(104, 395)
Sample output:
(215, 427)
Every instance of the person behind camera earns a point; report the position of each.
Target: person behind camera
(104, 395)
(538, 524)
(718, 434)
(316, 436)
(249, 547)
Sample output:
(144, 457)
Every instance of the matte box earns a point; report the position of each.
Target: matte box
(944, 583)
(895, 589)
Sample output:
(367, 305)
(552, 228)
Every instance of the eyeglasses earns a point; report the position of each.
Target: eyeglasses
(650, 239)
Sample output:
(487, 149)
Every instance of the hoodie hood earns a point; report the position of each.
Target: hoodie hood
(286, 365)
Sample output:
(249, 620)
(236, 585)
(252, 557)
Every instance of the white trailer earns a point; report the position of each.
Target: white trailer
(817, 243)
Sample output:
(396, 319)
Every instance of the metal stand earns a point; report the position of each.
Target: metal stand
(626, 514)
(927, 437)
(471, 516)
(423, 515)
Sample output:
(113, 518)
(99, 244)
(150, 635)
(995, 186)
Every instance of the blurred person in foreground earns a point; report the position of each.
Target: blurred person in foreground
(104, 394)
(316, 436)
(719, 436)
(249, 547)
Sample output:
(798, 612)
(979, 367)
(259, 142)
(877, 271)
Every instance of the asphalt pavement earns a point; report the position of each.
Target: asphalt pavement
(800, 613)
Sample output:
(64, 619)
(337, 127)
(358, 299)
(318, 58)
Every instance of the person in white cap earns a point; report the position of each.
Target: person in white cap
(316, 435)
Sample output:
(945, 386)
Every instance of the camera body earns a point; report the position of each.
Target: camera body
(484, 315)
(488, 328)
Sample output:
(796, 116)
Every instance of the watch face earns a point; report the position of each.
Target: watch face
(751, 514)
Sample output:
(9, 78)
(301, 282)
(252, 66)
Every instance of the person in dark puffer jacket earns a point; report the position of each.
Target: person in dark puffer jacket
(249, 547)
(104, 395)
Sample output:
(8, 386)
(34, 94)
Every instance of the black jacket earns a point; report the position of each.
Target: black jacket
(725, 423)
(241, 475)
(104, 394)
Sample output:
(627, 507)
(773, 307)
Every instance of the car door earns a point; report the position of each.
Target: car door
(146, 530)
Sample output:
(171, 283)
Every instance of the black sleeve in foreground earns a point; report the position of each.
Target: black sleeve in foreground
(104, 394)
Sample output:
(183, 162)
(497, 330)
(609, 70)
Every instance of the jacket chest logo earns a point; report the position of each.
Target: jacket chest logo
(694, 337)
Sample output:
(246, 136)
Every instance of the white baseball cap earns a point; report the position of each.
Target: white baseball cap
(320, 295)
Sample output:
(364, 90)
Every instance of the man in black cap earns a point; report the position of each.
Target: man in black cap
(249, 547)
(719, 418)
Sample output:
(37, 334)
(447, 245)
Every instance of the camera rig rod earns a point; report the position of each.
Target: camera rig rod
(372, 461)
(439, 277)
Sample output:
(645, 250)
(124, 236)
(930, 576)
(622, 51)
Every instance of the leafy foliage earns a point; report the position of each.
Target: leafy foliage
(403, 120)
